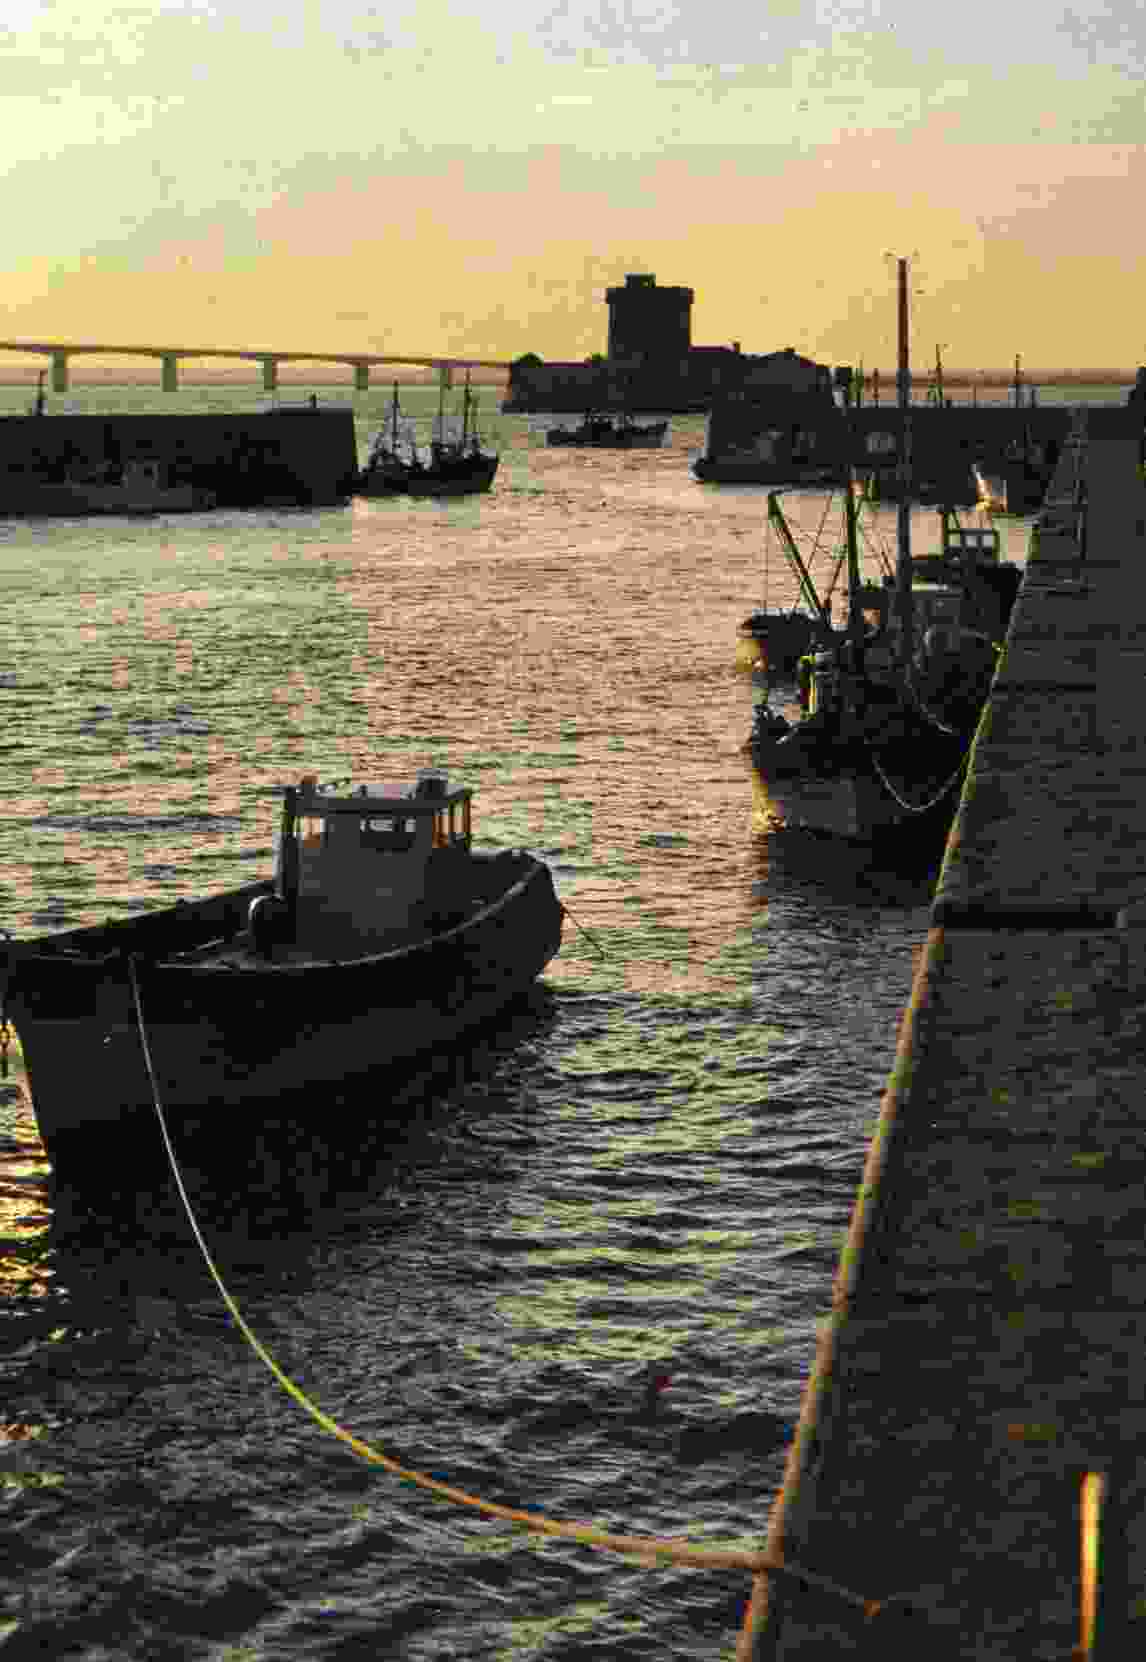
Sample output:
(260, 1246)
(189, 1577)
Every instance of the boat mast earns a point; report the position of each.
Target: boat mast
(466, 410)
(855, 611)
(903, 522)
(851, 551)
(394, 423)
(808, 587)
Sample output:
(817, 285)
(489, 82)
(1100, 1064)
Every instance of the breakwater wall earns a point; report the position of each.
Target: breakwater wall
(302, 455)
(771, 431)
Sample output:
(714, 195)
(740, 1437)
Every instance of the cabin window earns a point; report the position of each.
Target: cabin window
(387, 831)
(310, 831)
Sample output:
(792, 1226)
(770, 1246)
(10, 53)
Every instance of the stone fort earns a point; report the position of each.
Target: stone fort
(652, 364)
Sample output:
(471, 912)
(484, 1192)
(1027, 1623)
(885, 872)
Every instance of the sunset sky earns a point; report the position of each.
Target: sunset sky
(468, 179)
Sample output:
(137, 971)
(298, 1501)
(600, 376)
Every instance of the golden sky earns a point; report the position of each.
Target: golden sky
(469, 179)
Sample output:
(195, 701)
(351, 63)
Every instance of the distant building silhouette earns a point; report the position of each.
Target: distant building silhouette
(653, 366)
(648, 324)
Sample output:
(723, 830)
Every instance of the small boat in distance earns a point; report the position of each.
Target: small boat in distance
(458, 467)
(603, 433)
(381, 938)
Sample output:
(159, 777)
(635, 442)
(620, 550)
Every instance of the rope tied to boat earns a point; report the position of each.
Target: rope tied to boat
(650, 1551)
(582, 929)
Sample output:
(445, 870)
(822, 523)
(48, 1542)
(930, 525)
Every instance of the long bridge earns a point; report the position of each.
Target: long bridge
(59, 352)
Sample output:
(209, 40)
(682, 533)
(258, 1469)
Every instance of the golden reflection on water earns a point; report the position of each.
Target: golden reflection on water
(24, 1215)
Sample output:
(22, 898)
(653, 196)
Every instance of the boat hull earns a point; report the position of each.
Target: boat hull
(465, 478)
(625, 438)
(227, 1043)
(912, 790)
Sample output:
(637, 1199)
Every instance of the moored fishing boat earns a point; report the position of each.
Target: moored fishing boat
(890, 708)
(381, 937)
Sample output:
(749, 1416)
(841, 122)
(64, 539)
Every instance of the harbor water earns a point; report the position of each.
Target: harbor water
(654, 1159)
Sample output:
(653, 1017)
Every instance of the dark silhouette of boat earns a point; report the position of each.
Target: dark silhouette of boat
(601, 432)
(381, 937)
(890, 707)
(459, 467)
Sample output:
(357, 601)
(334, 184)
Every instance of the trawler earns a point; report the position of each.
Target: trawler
(889, 705)
(456, 467)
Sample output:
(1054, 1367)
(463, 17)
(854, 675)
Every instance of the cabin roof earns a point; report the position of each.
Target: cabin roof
(388, 798)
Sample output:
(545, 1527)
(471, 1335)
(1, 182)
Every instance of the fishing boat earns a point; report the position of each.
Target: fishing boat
(775, 642)
(889, 708)
(603, 433)
(380, 937)
(456, 467)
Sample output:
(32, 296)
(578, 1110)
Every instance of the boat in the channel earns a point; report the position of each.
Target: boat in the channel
(382, 937)
(456, 467)
(601, 432)
(890, 705)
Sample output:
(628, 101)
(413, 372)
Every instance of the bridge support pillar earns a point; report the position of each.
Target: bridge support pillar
(59, 372)
(170, 372)
(270, 374)
(445, 377)
(362, 377)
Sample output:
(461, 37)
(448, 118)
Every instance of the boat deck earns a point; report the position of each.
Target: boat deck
(989, 1341)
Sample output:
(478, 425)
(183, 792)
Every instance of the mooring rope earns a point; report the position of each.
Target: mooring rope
(581, 927)
(649, 1550)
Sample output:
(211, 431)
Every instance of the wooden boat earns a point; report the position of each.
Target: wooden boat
(381, 937)
(459, 467)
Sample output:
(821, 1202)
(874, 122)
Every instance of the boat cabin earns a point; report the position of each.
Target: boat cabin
(364, 869)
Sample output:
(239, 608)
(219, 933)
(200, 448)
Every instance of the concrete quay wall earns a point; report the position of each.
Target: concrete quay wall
(244, 459)
(987, 1345)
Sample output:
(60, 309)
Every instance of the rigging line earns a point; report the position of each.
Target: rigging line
(650, 1550)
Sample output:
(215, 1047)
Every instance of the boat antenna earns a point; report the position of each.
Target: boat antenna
(394, 422)
(903, 518)
(466, 409)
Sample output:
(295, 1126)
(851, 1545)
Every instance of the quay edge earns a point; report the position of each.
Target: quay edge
(987, 1343)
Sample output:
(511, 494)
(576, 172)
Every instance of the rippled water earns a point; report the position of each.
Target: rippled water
(653, 1160)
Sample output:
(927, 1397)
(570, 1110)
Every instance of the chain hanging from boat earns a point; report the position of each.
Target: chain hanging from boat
(911, 807)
